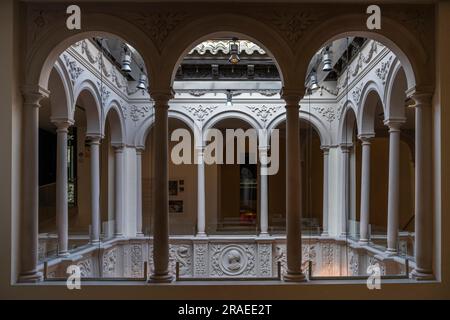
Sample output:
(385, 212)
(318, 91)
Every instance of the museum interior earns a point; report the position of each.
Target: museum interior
(350, 119)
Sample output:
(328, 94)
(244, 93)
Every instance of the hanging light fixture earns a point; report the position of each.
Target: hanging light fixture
(313, 81)
(142, 84)
(234, 51)
(126, 60)
(327, 67)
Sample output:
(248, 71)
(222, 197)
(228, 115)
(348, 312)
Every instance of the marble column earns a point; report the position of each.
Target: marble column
(118, 190)
(393, 186)
(201, 215)
(424, 186)
(326, 153)
(29, 222)
(264, 193)
(345, 195)
(62, 205)
(94, 142)
(139, 232)
(161, 198)
(365, 190)
(293, 190)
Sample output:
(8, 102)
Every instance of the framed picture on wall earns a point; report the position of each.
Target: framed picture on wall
(176, 206)
(173, 187)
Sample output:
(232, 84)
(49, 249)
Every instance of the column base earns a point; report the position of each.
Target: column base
(140, 235)
(264, 235)
(201, 235)
(119, 235)
(363, 242)
(31, 277)
(325, 234)
(160, 278)
(63, 254)
(422, 275)
(390, 252)
(294, 277)
(95, 242)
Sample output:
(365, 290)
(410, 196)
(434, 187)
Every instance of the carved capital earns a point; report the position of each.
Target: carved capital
(162, 97)
(33, 95)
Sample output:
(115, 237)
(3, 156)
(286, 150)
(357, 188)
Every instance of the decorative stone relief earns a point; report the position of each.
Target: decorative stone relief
(280, 256)
(85, 268)
(86, 51)
(328, 112)
(183, 255)
(200, 112)
(358, 65)
(353, 263)
(382, 71)
(109, 262)
(372, 51)
(356, 94)
(308, 254)
(72, 67)
(265, 259)
(138, 112)
(328, 258)
(104, 93)
(293, 24)
(264, 113)
(136, 261)
(232, 260)
(201, 259)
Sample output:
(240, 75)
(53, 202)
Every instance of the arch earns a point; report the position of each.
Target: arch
(117, 126)
(347, 124)
(403, 43)
(225, 25)
(51, 42)
(396, 93)
(371, 94)
(61, 95)
(88, 92)
(226, 114)
(147, 125)
(316, 123)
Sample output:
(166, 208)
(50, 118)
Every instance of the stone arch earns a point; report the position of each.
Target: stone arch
(88, 92)
(371, 94)
(347, 124)
(405, 44)
(236, 114)
(117, 126)
(147, 125)
(316, 123)
(52, 40)
(62, 97)
(395, 93)
(225, 25)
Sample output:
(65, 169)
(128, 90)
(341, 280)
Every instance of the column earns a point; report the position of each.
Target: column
(94, 142)
(365, 190)
(118, 190)
(62, 209)
(29, 222)
(326, 153)
(264, 193)
(139, 232)
(423, 184)
(201, 216)
(393, 186)
(293, 190)
(345, 167)
(161, 198)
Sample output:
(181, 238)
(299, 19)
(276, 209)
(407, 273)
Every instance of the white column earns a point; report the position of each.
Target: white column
(423, 194)
(201, 215)
(94, 142)
(345, 195)
(393, 186)
(29, 222)
(161, 198)
(264, 193)
(62, 208)
(118, 194)
(365, 191)
(139, 152)
(293, 190)
(326, 153)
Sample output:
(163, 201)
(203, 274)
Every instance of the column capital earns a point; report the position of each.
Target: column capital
(140, 150)
(118, 147)
(33, 95)
(366, 137)
(62, 124)
(162, 97)
(346, 147)
(94, 138)
(394, 124)
(291, 97)
(422, 99)
(325, 148)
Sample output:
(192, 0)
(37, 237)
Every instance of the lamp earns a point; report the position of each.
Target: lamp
(234, 52)
(126, 60)
(142, 84)
(313, 81)
(327, 67)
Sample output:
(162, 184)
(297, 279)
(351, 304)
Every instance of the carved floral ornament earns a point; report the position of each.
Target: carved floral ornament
(200, 112)
(264, 113)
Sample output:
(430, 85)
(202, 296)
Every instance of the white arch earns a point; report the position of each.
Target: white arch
(319, 127)
(117, 123)
(365, 117)
(63, 111)
(396, 111)
(345, 130)
(93, 112)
